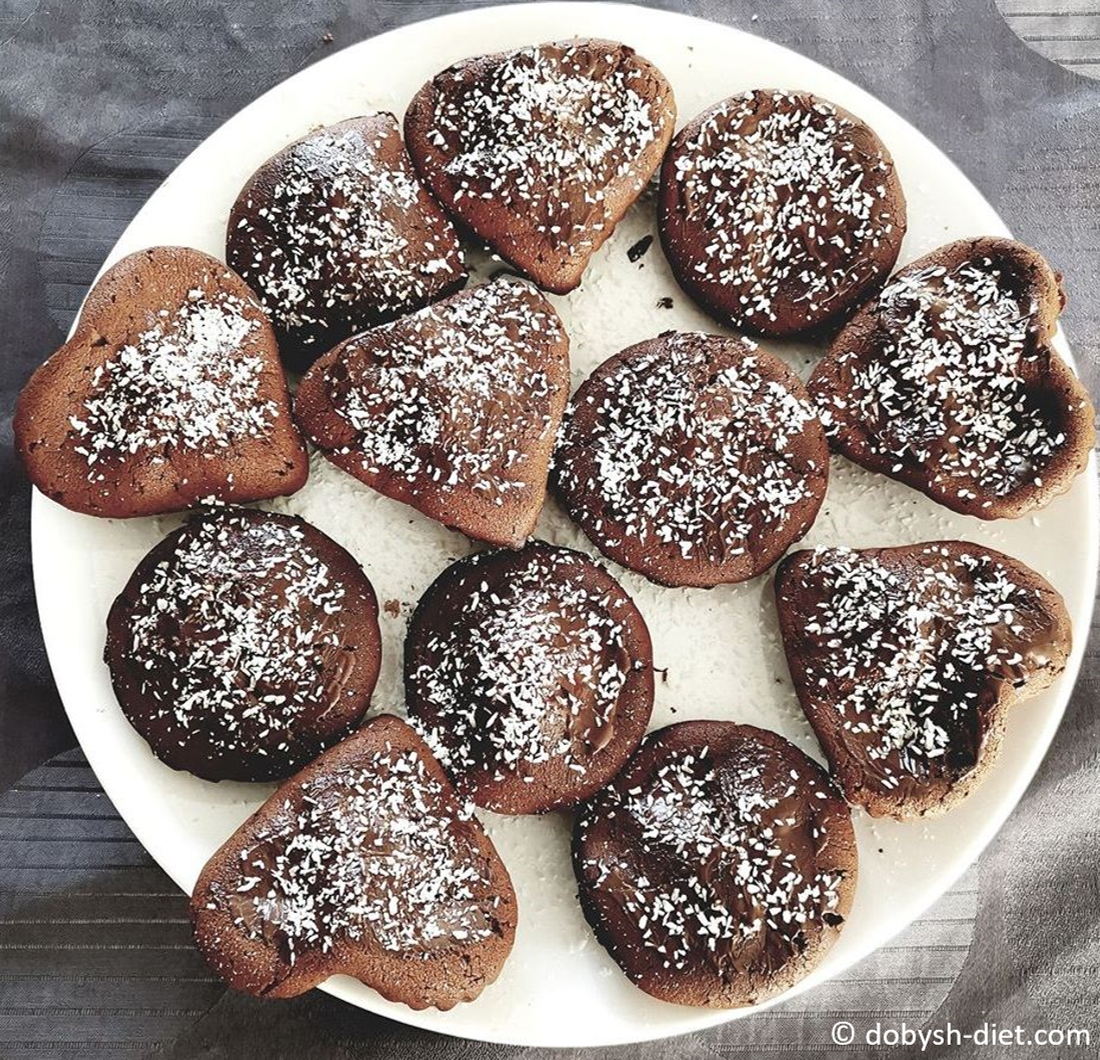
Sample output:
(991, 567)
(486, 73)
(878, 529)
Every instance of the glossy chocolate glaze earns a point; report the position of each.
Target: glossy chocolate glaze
(244, 644)
(947, 381)
(718, 865)
(336, 234)
(779, 210)
(531, 674)
(903, 657)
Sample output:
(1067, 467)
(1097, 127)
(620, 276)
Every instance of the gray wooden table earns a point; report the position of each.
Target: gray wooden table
(98, 102)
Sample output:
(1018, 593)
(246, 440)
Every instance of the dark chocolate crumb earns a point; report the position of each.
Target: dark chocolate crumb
(639, 249)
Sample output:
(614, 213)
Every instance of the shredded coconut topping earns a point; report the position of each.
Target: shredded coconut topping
(545, 131)
(529, 669)
(725, 857)
(186, 383)
(361, 853)
(949, 387)
(337, 236)
(452, 395)
(237, 632)
(793, 197)
(687, 451)
(902, 651)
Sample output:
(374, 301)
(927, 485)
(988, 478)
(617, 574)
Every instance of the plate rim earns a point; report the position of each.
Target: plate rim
(694, 1019)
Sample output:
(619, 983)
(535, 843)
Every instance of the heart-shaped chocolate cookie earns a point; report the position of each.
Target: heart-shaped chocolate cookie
(906, 659)
(170, 392)
(453, 410)
(336, 234)
(364, 865)
(947, 382)
(540, 151)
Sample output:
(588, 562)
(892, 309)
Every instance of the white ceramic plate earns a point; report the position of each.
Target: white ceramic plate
(721, 648)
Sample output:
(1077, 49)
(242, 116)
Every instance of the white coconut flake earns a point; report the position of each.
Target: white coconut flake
(184, 384)
(365, 853)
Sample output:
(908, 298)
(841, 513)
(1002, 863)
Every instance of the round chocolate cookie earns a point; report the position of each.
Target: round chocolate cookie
(243, 645)
(692, 459)
(531, 674)
(719, 865)
(336, 234)
(779, 211)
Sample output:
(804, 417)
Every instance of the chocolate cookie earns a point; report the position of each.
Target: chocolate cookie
(336, 234)
(692, 459)
(540, 151)
(170, 392)
(906, 660)
(719, 866)
(947, 382)
(364, 865)
(779, 211)
(531, 674)
(243, 645)
(452, 410)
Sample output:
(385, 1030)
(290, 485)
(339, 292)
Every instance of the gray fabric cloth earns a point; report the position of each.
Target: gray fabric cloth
(98, 102)
(1067, 31)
